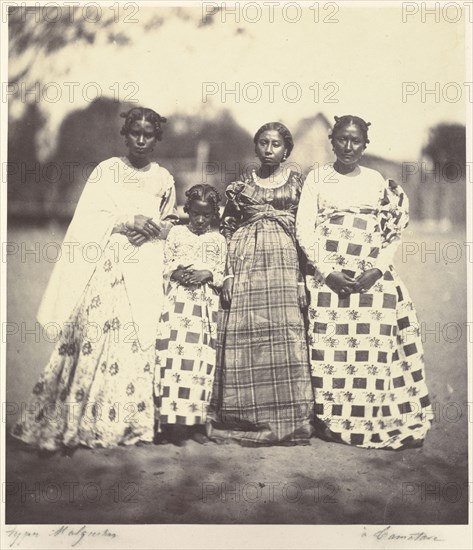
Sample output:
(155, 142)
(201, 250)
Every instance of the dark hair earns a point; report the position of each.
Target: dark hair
(346, 120)
(283, 131)
(142, 113)
(205, 193)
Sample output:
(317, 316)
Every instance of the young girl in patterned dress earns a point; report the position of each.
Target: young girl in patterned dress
(194, 261)
(365, 344)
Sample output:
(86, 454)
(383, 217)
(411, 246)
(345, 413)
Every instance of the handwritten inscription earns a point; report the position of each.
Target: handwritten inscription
(17, 536)
(75, 535)
(79, 534)
(418, 536)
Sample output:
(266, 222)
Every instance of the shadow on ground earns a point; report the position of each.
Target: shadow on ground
(323, 483)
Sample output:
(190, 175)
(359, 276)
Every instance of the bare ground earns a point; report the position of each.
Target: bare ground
(323, 483)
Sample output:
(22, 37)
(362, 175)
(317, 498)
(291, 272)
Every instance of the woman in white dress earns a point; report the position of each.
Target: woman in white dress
(105, 295)
(365, 345)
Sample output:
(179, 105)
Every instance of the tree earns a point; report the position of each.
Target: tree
(447, 149)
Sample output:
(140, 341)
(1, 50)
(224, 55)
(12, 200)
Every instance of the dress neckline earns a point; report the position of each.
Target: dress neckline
(146, 168)
(198, 234)
(350, 175)
(279, 181)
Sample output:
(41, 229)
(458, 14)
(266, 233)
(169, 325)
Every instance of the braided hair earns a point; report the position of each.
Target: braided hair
(346, 120)
(142, 113)
(205, 193)
(283, 131)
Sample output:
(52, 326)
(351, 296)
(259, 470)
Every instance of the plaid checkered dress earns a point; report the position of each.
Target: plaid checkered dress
(262, 391)
(365, 350)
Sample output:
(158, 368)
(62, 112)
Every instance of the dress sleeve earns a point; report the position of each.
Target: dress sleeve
(120, 223)
(394, 218)
(171, 253)
(231, 216)
(306, 224)
(217, 262)
(168, 211)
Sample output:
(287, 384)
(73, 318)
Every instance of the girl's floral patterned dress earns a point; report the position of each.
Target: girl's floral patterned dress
(186, 343)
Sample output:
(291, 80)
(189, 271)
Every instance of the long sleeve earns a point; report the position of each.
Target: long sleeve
(121, 222)
(386, 255)
(394, 215)
(230, 219)
(168, 211)
(306, 223)
(216, 254)
(171, 259)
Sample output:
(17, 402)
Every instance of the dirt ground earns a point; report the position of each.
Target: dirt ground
(323, 483)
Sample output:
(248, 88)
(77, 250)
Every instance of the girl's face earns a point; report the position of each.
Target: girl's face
(141, 140)
(200, 216)
(348, 144)
(270, 148)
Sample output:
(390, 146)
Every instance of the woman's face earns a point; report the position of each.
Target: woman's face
(270, 148)
(141, 139)
(200, 216)
(348, 144)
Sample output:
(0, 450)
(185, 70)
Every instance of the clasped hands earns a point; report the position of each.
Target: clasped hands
(145, 229)
(187, 276)
(344, 285)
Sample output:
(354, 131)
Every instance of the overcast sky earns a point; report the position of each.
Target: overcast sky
(361, 60)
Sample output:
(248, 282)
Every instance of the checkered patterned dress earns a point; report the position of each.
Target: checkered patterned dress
(365, 350)
(262, 390)
(186, 342)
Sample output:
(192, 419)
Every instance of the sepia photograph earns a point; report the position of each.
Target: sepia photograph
(236, 273)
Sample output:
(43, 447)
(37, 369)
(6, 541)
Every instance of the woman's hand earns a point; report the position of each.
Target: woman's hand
(341, 283)
(178, 274)
(146, 226)
(367, 279)
(135, 238)
(301, 296)
(227, 290)
(193, 277)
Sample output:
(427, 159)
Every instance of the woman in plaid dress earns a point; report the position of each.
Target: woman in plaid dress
(364, 339)
(262, 391)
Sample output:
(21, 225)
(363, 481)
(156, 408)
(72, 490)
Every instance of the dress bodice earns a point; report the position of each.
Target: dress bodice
(251, 196)
(139, 190)
(252, 191)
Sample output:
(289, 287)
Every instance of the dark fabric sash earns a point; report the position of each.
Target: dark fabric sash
(285, 219)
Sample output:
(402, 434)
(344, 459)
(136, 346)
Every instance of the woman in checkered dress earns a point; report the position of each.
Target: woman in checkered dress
(364, 340)
(262, 391)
